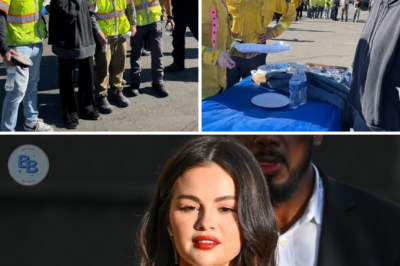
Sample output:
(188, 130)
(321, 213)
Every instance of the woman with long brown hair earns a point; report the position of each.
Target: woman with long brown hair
(211, 208)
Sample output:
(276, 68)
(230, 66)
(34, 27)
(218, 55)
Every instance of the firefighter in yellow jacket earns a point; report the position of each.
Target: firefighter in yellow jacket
(250, 24)
(296, 4)
(217, 41)
(116, 20)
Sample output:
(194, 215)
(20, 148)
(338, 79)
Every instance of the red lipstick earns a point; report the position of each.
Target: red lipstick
(206, 242)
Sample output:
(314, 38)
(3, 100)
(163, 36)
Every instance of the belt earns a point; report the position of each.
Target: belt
(114, 37)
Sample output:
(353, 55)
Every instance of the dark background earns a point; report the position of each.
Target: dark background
(86, 211)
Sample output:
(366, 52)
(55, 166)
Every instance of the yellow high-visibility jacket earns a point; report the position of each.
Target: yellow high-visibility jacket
(213, 76)
(313, 3)
(328, 3)
(296, 3)
(111, 23)
(252, 17)
(147, 11)
(24, 23)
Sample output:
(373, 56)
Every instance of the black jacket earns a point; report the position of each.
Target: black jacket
(4, 48)
(70, 29)
(358, 228)
(373, 98)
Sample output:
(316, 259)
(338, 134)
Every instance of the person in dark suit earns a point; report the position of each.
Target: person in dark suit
(323, 222)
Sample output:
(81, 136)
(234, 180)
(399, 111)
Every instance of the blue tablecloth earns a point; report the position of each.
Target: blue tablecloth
(232, 110)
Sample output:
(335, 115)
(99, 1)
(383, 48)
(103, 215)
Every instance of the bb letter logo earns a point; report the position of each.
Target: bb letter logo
(28, 165)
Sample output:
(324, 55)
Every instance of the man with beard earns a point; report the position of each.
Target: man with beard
(323, 222)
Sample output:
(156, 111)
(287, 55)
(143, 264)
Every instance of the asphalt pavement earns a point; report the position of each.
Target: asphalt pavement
(321, 40)
(147, 112)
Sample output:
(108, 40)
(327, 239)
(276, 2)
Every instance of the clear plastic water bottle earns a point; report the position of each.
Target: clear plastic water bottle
(104, 48)
(11, 71)
(295, 91)
(303, 85)
(348, 78)
(168, 29)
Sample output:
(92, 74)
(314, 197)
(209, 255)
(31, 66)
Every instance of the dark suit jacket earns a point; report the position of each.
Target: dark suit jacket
(358, 228)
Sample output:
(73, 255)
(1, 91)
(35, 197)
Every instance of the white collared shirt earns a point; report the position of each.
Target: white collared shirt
(299, 245)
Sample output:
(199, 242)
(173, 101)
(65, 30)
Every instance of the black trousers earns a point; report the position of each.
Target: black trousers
(66, 68)
(299, 11)
(334, 12)
(277, 17)
(243, 68)
(153, 34)
(183, 17)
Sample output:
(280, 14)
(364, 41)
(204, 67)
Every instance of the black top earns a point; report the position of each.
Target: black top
(187, 3)
(3, 26)
(358, 228)
(373, 98)
(70, 29)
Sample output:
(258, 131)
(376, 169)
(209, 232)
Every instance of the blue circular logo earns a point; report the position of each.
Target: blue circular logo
(28, 165)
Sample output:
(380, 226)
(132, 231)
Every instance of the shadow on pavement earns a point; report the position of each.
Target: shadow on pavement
(191, 53)
(48, 73)
(292, 40)
(293, 29)
(50, 109)
(189, 34)
(150, 91)
(188, 75)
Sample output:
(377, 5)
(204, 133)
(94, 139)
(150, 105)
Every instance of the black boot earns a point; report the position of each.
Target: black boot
(174, 67)
(89, 113)
(103, 105)
(160, 89)
(71, 121)
(134, 91)
(120, 98)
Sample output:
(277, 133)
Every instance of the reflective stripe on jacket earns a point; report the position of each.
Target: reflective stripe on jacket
(111, 16)
(24, 23)
(147, 11)
(251, 18)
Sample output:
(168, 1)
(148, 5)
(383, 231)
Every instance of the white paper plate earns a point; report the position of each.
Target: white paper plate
(270, 100)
